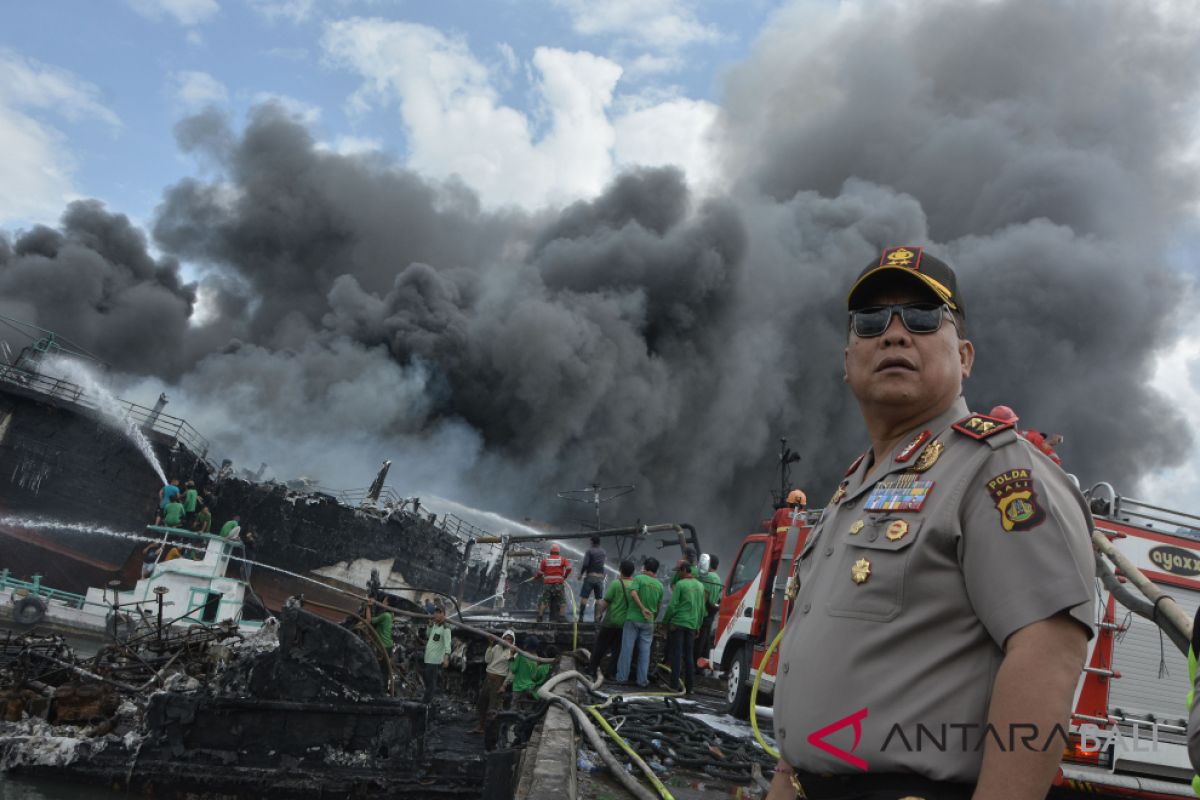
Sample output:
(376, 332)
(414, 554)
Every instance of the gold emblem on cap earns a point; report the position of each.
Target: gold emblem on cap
(901, 254)
(837, 496)
(860, 571)
(897, 530)
(929, 456)
(857, 527)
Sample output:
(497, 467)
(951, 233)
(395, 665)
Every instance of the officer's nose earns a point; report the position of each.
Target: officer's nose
(896, 333)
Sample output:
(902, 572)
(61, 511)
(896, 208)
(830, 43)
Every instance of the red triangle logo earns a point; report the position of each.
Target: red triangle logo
(817, 739)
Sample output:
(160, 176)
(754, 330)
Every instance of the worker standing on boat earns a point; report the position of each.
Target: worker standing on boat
(554, 571)
(948, 586)
(437, 651)
(168, 492)
(190, 498)
(591, 573)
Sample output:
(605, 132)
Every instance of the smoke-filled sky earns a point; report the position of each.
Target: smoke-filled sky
(615, 256)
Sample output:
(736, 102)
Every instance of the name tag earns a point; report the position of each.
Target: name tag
(899, 493)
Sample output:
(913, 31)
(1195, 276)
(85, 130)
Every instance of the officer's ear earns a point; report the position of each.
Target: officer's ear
(966, 357)
(846, 365)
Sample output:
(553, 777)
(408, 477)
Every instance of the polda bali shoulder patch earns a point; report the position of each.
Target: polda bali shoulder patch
(981, 426)
(1016, 499)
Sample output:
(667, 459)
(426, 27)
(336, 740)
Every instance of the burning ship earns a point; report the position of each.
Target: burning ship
(72, 477)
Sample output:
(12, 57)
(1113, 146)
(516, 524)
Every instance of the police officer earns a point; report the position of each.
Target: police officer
(945, 596)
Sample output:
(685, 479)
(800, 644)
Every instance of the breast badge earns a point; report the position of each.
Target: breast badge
(857, 527)
(929, 456)
(860, 571)
(902, 492)
(896, 531)
(1016, 499)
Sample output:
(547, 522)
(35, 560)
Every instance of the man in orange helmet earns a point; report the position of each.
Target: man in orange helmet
(554, 571)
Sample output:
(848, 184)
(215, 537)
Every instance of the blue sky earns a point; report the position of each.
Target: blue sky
(95, 88)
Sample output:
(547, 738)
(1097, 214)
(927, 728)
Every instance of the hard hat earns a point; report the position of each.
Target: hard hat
(1004, 413)
(553, 549)
(797, 496)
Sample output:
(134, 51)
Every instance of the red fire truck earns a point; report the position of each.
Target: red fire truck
(1129, 720)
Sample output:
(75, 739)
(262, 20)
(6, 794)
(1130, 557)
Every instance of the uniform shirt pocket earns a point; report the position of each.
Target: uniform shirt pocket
(883, 560)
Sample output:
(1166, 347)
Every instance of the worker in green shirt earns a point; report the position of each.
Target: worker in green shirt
(172, 514)
(684, 612)
(646, 596)
(189, 501)
(437, 651)
(527, 674)
(713, 586)
(614, 608)
(203, 523)
(228, 527)
(382, 620)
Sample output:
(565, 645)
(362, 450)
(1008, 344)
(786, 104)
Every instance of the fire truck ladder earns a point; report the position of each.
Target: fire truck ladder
(778, 589)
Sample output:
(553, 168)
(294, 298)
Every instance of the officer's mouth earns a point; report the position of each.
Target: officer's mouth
(896, 363)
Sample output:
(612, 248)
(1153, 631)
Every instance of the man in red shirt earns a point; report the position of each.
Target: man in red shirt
(554, 571)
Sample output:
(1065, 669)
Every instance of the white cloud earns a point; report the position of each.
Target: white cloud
(37, 166)
(291, 10)
(660, 24)
(455, 123)
(308, 113)
(185, 12)
(1175, 375)
(671, 132)
(194, 90)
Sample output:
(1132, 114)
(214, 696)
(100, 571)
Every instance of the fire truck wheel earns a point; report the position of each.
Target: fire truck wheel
(737, 687)
(29, 610)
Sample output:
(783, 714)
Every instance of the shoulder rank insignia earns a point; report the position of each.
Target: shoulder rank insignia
(929, 456)
(911, 448)
(981, 426)
(854, 466)
(1016, 500)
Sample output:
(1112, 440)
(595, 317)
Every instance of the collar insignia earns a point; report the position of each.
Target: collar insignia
(911, 448)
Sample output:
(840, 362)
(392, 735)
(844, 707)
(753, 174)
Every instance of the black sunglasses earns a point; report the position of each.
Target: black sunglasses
(917, 318)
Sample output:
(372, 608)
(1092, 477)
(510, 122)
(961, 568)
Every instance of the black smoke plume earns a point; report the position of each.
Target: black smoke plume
(352, 311)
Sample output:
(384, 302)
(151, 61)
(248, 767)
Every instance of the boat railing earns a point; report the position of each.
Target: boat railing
(179, 430)
(389, 497)
(34, 587)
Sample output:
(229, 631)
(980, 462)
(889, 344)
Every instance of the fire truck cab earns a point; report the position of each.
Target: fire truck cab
(1128, 733)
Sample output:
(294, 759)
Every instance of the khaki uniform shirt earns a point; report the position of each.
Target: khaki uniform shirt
(901, 616)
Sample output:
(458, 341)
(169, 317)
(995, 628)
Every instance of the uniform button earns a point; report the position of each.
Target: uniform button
(850, 504)
(782, 733)
(872, 536)
(807, 608)
(828, 551)
(785, 667)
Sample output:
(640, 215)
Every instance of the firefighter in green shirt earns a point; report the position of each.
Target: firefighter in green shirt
(172, 514)
(615, 607)
(712, 602)
(684, 612)
(437, 651)
(645, 597)
(228, 527)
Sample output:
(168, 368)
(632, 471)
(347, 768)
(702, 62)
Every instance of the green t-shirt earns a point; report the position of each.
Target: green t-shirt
(382, 623)
(172, 514)
(204, 522)
(437, 646)
(617, 598)
(528, 674)
(229, 526)
(189, 500)
(712, 585)
(686, 606)
(650, 591)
